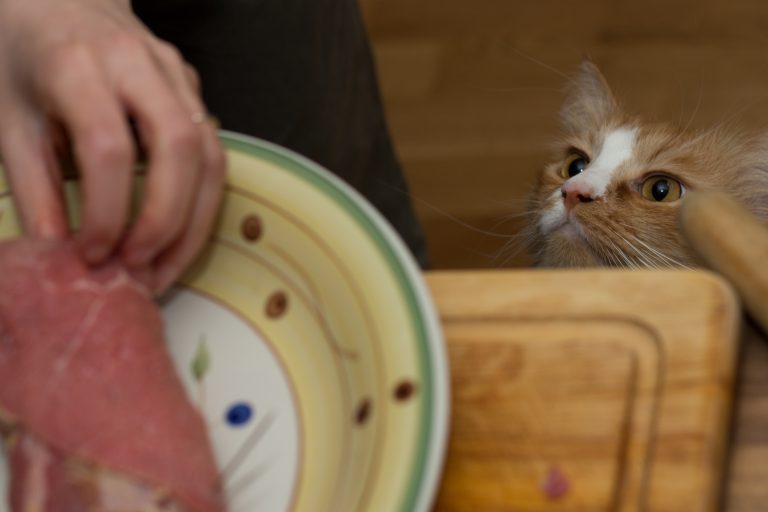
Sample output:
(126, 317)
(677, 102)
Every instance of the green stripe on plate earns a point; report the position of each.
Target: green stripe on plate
(319, 178)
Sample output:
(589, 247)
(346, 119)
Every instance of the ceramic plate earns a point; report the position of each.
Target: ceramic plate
(306, 337)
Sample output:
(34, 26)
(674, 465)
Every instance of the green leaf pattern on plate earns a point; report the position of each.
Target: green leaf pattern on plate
(202, 361)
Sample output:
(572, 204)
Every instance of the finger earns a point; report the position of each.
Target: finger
(173, 261)
(193, 78)
(179, 255)
(102, 144)
(31, 170)
(174, 146)
(179, 72)
(58, 136)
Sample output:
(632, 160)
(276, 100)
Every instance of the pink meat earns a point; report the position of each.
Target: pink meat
(85, 374)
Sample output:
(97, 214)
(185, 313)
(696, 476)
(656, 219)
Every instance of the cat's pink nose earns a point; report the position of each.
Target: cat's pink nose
(574, 194)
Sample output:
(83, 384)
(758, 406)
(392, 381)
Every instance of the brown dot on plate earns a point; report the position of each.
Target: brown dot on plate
(405, 390)
(277, 304)
(251, 228)
(363, 411)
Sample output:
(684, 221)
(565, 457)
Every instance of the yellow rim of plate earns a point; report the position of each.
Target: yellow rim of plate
(427, 463)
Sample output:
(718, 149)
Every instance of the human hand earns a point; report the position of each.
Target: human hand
(75, 72)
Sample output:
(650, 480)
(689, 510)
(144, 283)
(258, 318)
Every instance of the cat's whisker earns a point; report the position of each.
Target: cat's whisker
(670, 260)
(526, 214)
(621, 260)
(519, 89)
(682, 103)
(661, 260)
(626, 262)
(609, 257)
(631, 260)
(512, 247)
(645, 258)
(465, 224)
(621, 253)
(601, 251)
(545, 65)
(445, 214)
(696, 109)
(664, 259)
(640, 258)
(517, 203)
(614, 254)
(516, 215)
(606, 235)
(734, 114)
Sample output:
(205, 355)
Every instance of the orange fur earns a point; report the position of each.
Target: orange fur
(622, 228)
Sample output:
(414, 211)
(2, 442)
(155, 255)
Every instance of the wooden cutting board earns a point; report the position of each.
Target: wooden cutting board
(587, 390)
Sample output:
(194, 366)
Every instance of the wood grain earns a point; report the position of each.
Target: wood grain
(747, 473)
(472, 90)
(621, 382)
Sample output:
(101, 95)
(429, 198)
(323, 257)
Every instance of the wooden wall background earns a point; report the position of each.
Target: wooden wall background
(472, 89)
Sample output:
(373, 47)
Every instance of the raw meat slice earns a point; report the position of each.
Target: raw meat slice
(91, 408)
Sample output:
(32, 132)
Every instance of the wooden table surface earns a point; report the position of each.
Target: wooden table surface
(746, 486)
(575, 400)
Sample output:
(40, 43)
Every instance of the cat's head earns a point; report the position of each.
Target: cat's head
(611, 195)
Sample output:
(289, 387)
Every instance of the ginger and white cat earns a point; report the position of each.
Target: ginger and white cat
(612, 194)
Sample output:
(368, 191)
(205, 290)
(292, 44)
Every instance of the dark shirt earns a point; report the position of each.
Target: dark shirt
(298, 73)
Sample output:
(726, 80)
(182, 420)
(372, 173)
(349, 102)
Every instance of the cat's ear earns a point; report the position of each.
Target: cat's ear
(589, 102)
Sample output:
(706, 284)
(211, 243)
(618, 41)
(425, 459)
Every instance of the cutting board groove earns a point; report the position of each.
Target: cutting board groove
(591, 390)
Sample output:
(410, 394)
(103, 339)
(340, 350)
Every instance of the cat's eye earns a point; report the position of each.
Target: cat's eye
(662, 189)
(576, 163)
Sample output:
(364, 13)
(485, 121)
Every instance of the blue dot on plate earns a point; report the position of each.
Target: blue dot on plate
(239, 414)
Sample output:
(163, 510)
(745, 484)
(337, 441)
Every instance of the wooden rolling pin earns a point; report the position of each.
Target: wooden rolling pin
(733, 242)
